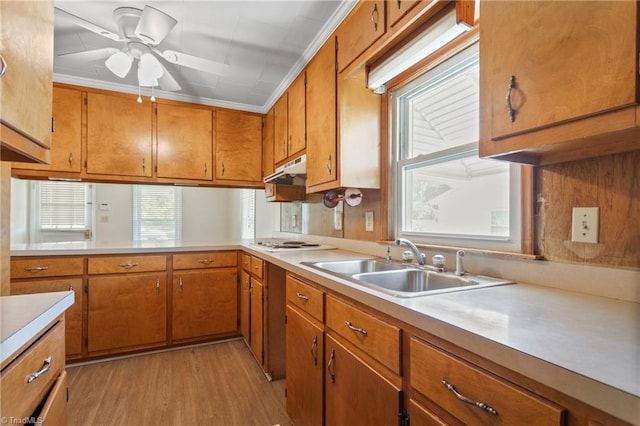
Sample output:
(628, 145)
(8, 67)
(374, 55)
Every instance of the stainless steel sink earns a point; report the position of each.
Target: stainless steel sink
(401, 280)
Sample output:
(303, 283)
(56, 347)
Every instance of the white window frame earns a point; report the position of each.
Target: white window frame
(512, 243)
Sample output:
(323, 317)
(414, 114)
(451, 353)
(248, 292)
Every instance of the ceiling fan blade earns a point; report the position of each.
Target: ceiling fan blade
(195, 62)
(167, 82)
(91, 55)
(89, 25)
(154, 25)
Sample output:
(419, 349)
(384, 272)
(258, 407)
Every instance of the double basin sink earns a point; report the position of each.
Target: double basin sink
(402, 280)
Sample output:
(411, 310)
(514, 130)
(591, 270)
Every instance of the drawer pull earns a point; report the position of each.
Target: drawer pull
(314, 350)
(463, 398)
(354, 328)
(205, 261)
(36, 268)
(512, 85)
(45, 367)
(128, 265)
(302, 296)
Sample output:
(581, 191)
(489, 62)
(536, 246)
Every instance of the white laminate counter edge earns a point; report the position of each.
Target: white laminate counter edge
(25, 316)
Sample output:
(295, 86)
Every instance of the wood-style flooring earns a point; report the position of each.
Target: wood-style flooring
(217, 384)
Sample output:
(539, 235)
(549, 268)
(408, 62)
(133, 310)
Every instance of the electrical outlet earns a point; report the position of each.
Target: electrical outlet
(368, 221)
(585, 224)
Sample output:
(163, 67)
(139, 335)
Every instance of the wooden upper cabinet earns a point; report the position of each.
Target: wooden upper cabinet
(185, 147)
(563, 75)
(359, 30)
(119, 136)
(26, 31)
(396, 9)
(321, 111)
(280, 129)
(297, 116)
(238, 147)
(66, 136)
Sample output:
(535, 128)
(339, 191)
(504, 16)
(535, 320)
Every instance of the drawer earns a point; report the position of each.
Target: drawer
(304, 296)
(210, 259)
(430, 367)
(246, 262)
(368, 333)
(46, 267)
(19, 397)
(126, 264)
(257, 267)
(54, 409)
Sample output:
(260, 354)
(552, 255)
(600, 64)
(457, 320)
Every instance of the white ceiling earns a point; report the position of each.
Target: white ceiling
(265, 44)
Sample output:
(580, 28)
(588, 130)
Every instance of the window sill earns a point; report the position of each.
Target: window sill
(496, 253)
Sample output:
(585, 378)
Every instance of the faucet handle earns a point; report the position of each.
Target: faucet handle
(407, 256)
(438, 261)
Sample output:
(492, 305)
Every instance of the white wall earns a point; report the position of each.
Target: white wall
(19, 211)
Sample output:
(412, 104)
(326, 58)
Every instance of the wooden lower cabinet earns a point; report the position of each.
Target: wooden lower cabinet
(355, 393)
(305, 349)
(73, 315)
(126, 312)
(204, 303)
(257, 320)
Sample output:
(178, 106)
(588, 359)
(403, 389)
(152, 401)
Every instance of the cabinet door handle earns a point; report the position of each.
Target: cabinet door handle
(36, 268)
(157, 285)
(128, 265)
(512, 85)
(205, 169)
(222, 168)
(374, 17)
(330, 367)
(70, 159)
(144, 167)
(399, 4)
(3, 66)
(302, 296)
(354, 328)
(53, 124)
(205, 261)
(181, 286)
(46, 366)
(463, 398)
(329, 165)
(314, 350)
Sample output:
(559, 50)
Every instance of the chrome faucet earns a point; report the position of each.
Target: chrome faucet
(420, 257)
(459, 266)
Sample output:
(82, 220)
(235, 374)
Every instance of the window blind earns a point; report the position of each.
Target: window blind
(157, 212)
(62, 206)
(248, 213)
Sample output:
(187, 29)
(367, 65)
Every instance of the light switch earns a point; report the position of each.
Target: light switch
(585, 224)
(368, 221)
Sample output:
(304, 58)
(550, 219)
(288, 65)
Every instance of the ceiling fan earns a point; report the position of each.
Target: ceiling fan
(142, 31)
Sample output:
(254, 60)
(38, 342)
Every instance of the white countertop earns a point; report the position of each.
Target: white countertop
(585, 346)
(24, 317)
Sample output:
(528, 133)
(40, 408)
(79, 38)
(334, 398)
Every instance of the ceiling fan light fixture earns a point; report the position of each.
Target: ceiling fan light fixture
(119, 63)
(149, 70)
(154, 25)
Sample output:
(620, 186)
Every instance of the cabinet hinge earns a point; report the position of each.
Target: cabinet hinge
(86, 100)
(285, 320)
(67, 394)
(285, 392)
(86, 288)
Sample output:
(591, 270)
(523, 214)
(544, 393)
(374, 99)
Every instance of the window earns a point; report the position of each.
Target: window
(157, 212)
(62, 213)
(248, 213)
(444, 193)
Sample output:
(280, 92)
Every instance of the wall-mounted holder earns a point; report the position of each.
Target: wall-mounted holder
(351, 196)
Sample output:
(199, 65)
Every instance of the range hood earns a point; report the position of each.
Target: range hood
(292, 173)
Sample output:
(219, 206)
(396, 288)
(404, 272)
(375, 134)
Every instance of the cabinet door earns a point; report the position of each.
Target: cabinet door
(297, 116)
(27, 49)
(127, 312)
(360, 29)
(205, 303)
(238, 143)
(118, 136)
(566, 64)
(185, 147)
(356, 394)
(267, 144)
(257, 322)
(396, 9)
(280, 129)
(305, 346)
(72, 316)
(321, 110)
(245, 303)
(66, 136)
(420, 416)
